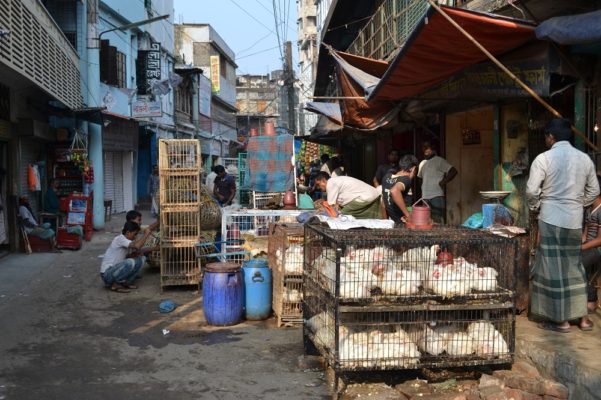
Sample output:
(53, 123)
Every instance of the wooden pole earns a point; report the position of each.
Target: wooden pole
(511, 74)
(337, 97)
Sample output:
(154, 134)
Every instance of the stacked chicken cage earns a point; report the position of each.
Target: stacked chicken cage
(179, 173)
(399, 299)
(286, 254)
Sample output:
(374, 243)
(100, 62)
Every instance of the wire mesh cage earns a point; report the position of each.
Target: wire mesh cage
(179, 264)
(410, 337)
(446, 264)
(179, 156)
(179, 190)
(286, 261)
(252, 226)
(183, 225)
(262, 200)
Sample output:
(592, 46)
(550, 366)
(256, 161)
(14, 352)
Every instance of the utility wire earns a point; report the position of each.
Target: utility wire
(259, 52)
(275, 17)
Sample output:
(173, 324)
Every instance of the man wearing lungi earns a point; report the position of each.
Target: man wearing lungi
(562, 182)
(350, 195)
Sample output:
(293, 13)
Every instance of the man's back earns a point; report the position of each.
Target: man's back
(566, 181)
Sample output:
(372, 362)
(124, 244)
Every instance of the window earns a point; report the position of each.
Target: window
(113, 69)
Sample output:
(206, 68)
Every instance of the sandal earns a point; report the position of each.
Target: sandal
(549, 326)
(588, 327)
(129, 286)
(119, 289)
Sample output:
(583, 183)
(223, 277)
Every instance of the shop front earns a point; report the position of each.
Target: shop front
(120, 144)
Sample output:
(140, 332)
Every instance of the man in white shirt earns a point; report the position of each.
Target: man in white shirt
(350, 195)
(124, 258)
(435, 172)
(30, 224)
(562, 182)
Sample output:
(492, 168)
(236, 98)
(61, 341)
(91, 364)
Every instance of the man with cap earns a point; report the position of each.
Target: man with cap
(562, 182)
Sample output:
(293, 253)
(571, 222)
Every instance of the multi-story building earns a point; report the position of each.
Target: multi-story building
(199, 45)
(40, 75)
(257, 99)
(307, 63)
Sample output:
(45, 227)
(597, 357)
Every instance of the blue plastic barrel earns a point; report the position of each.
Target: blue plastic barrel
(223, 294)
(257, 283)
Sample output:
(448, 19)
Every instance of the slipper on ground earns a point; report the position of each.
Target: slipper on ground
(549, 326)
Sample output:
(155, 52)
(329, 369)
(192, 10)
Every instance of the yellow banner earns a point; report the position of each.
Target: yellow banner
(215, 74)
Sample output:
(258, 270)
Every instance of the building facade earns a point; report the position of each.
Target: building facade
(307, 61)
(199, 45)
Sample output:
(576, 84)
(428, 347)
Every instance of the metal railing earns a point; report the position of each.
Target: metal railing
(388, 29)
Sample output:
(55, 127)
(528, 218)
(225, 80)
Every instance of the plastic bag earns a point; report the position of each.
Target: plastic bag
(474, 221)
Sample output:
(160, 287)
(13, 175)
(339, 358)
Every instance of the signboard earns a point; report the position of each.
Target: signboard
(142, 108)
(204, 96)
(116, 100)
(148, 68)
(215, 74)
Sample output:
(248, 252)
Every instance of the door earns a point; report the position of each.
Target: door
(128, 169)
(469, 148)
(109, 179)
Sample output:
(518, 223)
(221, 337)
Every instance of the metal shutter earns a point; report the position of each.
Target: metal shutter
(118, 203)
(109, 183)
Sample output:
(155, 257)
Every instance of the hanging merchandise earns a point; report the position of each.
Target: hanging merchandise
(33, 178)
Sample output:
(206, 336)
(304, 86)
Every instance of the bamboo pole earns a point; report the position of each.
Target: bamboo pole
(511, 74)
(337, 97)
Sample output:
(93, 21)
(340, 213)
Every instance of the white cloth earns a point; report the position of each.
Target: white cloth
(342, 190)
(431, 172)
(345, 222)
(116, 252)
(26, 216)
(325, 168)
(562, 182)
(210, 181)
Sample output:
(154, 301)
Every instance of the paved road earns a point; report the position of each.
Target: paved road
(63, 336)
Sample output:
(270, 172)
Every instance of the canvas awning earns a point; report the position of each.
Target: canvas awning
(436, 50)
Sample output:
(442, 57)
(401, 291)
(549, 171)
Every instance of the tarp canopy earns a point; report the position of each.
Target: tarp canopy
(329, 110)
(436, 50)
(572, 29)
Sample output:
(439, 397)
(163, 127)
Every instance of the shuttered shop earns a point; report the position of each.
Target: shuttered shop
(120, 139)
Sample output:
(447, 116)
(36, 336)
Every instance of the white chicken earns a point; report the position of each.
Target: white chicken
(487, 339)
(400, 282)
(353, 290)
(431, 342)
(396, 349)
(293, 259)
(484, 279)
(460, 344)
(419, 258)
(446, 282)
(293, 296)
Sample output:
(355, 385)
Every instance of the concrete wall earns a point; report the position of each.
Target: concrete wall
(129, 11)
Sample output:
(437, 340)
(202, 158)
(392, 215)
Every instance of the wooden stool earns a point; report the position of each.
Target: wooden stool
(108, 209)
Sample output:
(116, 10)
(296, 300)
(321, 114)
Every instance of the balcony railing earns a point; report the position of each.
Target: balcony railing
(388, 29)
(37, 49)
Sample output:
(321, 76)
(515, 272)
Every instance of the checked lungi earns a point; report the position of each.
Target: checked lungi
(558, 276)
(363, 210)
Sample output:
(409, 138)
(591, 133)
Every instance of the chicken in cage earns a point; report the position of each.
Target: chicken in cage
(445, 268)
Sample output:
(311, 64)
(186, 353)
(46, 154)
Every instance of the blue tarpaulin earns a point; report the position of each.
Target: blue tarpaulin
(572, 29)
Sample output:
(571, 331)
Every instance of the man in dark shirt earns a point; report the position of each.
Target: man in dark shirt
(383, 169)
(395, 189)
(225, 186)
(51, 201)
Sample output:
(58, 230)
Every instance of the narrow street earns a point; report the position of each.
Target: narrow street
(66, 337)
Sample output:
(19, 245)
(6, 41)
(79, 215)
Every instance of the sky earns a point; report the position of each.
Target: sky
(248, 27)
